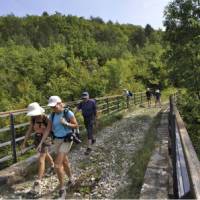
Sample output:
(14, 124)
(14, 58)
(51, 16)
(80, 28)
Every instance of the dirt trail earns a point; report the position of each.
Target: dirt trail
(104, 171)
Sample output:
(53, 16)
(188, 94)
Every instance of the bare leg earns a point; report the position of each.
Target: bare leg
(67, 167)
(41, 165)
(49, 158)
(59, 168)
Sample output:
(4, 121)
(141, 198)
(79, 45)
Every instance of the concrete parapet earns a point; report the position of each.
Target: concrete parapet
(156, 180)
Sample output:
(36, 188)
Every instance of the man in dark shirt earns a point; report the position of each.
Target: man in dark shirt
(89, 112)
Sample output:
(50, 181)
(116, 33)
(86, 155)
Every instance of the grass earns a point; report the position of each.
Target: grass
(140, 161)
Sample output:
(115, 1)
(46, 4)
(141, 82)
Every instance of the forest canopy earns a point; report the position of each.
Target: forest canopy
(64, 55)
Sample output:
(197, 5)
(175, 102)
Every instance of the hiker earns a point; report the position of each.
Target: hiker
(89, 112)
(127, 93)
(148, 96)
(62, 131)
(157, 97)
(38, 124)
(130, 94)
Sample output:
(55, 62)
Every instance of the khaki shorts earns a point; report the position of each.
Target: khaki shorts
(61, 146)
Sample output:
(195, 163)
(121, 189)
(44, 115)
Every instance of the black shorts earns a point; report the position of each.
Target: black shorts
(45, 145)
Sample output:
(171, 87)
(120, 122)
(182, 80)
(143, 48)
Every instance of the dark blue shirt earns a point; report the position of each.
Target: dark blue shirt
(88, 108)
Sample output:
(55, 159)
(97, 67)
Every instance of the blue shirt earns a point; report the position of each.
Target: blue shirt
(58, 128)
(88, 108)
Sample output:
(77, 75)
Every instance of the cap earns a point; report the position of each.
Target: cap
(53, 100)
(85, 95)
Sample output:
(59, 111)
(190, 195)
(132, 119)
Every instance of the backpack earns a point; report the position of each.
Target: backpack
(130, 93)
(75, 136)
(44, 120)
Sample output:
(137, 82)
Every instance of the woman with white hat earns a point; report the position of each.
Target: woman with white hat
(38, 124)
(62, 129)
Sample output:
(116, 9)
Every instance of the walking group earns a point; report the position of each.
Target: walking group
(157, 97)
(61, 124)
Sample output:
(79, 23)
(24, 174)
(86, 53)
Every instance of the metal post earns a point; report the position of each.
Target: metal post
(13, 134)
(127, 101)
(141, 98)
(135, 99)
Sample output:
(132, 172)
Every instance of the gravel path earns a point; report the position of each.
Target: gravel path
(104, 171)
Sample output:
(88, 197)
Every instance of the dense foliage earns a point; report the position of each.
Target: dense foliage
(183, 34)
(64, 55)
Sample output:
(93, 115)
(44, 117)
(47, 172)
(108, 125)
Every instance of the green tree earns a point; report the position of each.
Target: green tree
(183, 34)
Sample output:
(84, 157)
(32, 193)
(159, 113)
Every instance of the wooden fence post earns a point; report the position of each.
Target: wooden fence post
(118, 103)
(127, 101)
(107, 102)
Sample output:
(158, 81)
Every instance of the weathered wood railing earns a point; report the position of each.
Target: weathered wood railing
(14, 123)
(186, 166)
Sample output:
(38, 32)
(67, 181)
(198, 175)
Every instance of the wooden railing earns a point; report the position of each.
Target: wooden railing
(186, 166)
(17, 122)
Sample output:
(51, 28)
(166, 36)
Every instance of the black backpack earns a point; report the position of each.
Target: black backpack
(75, 135)
(130, 93)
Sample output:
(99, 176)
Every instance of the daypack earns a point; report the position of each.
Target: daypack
(75, 136)
(130, 93)
(44, 121)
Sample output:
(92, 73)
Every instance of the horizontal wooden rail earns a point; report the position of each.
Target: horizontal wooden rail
(193, 163)
(186, 166)
(106, 106)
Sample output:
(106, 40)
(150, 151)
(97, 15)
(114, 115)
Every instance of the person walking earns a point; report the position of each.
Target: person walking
(148, 96)
(89, 113)
(62, 131)
(157, 97)
(38, 124)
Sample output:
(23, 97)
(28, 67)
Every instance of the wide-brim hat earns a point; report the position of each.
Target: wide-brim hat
(35, 109)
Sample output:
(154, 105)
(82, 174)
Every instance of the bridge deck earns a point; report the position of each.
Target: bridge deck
(105, 171)
(157, 176)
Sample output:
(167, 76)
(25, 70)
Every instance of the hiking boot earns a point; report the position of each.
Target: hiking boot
(93, 141)
(62, 193)
(88, 150)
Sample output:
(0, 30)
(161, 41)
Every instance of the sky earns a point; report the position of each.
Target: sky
(136, 12)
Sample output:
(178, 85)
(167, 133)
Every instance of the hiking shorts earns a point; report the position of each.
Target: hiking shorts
(45, 145)
(157, 98)
(61, 146)
(148, 98)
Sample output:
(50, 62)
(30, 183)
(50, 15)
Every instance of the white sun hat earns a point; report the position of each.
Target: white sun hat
(53, 100)
(35, 109)
(157, 91)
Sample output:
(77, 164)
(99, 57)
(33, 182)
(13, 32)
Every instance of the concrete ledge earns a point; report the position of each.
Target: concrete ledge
(18, 171)
(156, 180)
